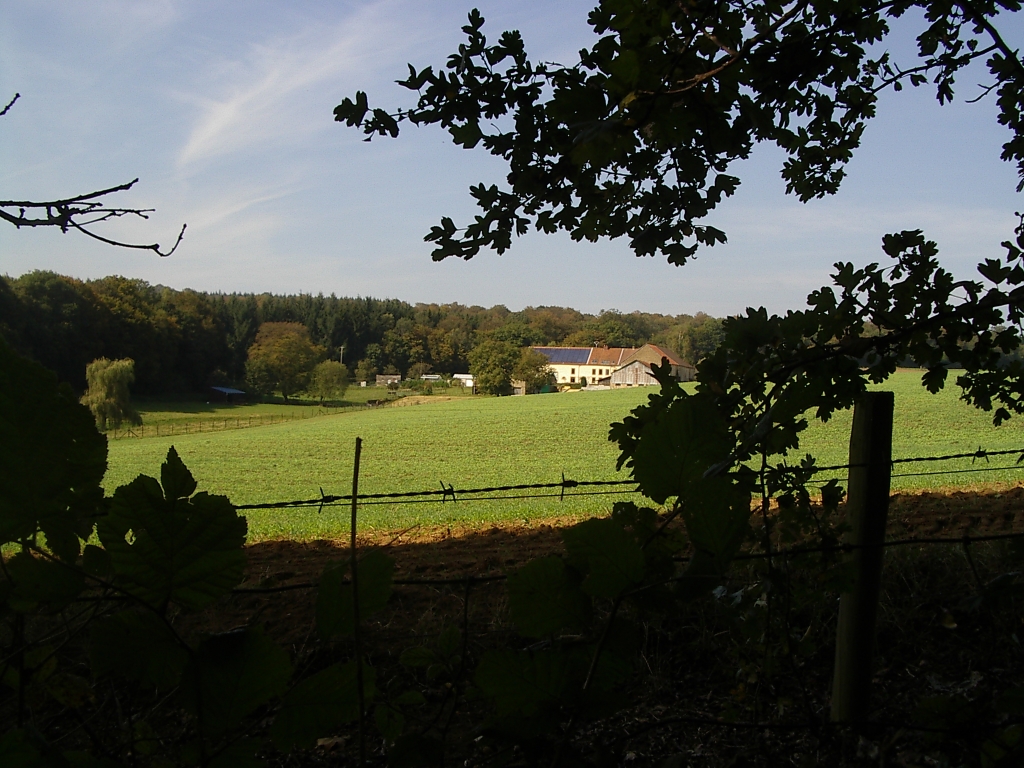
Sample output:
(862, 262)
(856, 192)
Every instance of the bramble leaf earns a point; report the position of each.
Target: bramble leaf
(523, 683)
(544, 596)
(717, 515)
(320, 704)
(390, 722)
(17, 751)
(609, 556)
(417, 656)
(37, 580)
(231, 675)
(52, 459)
(139, 646)
(335, 612)
(675, 450)
(168, 547)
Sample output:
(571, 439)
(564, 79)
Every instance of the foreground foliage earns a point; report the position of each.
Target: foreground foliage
(125, 572)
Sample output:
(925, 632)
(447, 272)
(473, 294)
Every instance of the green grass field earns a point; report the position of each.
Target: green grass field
(475, 442)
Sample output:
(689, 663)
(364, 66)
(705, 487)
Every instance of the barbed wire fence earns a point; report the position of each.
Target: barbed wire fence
(569, 488)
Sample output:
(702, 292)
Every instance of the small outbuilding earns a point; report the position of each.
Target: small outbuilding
(227, 394)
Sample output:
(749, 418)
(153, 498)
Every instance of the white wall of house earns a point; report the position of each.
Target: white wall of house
(572, 373)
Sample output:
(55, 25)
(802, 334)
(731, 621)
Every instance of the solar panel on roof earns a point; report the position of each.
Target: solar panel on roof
(565, 355)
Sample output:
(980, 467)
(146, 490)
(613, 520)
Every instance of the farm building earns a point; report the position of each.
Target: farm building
(573, 364)
(228, 394)
(636, 369)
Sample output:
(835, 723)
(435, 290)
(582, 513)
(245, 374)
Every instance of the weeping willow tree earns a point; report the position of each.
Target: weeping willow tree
(107, 396)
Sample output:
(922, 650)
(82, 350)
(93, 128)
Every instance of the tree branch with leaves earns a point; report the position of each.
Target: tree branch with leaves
(638, 139)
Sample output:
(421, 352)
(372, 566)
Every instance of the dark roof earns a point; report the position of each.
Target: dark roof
(228, 391)
(565, 355)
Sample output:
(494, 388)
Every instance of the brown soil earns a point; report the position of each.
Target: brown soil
(455, 552)
(417, 613)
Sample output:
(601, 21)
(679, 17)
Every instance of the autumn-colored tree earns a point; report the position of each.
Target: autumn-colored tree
(281, 358)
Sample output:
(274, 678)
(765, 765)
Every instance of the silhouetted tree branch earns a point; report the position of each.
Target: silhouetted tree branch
(79, 212)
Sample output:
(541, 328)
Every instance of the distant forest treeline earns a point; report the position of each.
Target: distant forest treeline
(187, 340)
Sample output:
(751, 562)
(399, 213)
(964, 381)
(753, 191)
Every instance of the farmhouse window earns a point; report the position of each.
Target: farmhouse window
(572, 380)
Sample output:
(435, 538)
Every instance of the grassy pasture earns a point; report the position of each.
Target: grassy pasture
(473, 442)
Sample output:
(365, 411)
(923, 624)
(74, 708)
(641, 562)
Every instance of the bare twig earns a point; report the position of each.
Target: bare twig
(10, 104)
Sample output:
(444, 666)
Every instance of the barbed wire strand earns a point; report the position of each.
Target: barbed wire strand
(449, 491)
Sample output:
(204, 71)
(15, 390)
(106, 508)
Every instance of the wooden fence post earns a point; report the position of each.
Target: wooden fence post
(867, 507)
(356, 635)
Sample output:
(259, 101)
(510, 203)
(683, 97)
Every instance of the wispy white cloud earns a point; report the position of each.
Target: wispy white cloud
(268, 95)
(227, 205)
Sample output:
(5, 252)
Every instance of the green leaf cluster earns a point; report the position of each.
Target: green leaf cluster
(638, 138)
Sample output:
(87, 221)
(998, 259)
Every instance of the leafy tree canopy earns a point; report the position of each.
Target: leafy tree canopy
(329, 381)
(491, 364)
(638, 137)
(108, 397)
(533, 369)
(281, 358)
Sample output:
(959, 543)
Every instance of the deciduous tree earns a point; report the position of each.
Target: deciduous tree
(366, 371)
(533, 369)
(329, 381)
(491, 364)
(108, 396)
(282, 357)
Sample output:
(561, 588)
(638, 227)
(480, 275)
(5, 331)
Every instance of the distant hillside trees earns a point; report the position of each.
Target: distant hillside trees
(189, 340)
(694, 339)
(282, 358)
(108, 395)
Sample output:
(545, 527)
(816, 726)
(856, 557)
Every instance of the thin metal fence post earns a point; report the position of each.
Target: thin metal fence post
(356, 635)
(867, 508)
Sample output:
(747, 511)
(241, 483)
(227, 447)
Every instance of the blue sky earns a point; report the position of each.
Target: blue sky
(224, 110)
